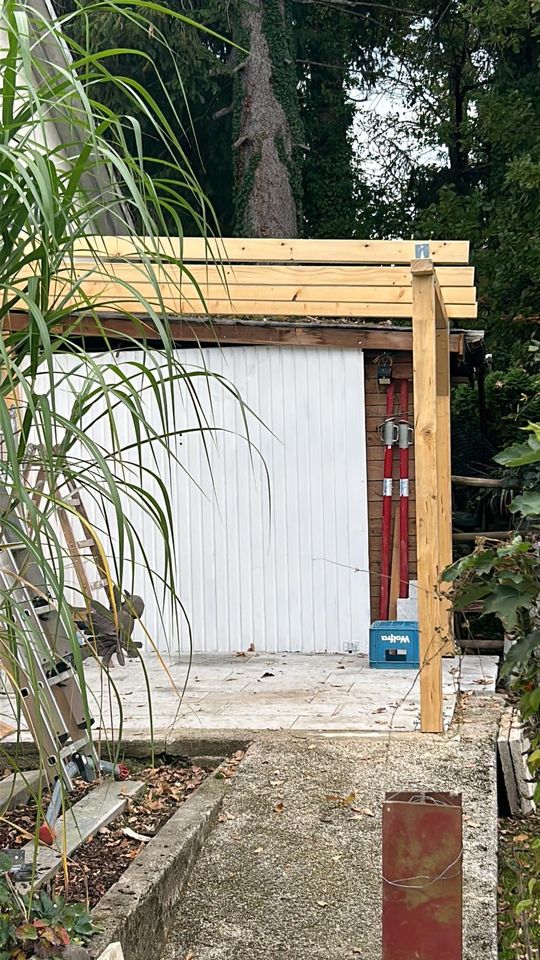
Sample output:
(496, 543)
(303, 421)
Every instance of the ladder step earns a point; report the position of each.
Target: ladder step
(99, 583)
(61, 677)
(76, 747)
(85, 543)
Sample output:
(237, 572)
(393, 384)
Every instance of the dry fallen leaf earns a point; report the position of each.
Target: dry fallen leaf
(343, 801)
(522, 837)
(322, 903)
(278, 807)
(224, 816)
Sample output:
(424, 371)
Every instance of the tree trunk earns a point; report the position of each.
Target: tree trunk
(267, 130)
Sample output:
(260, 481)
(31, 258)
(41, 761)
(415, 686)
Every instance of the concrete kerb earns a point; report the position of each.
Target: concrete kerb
(137, 910)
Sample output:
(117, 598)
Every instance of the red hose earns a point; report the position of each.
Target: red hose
(389, 439)
(404, 490)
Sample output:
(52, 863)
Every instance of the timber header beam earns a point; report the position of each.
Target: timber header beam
(245, 332)
(257, 250)
(288, 278)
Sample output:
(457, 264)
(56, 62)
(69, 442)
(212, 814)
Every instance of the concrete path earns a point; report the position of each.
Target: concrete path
(327, 693)
(291, 873)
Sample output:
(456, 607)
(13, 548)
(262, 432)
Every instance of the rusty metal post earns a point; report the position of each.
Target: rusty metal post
(422, 877)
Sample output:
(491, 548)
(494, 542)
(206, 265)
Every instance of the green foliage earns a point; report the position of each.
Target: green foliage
(519, 900)
(59, 193)
(37, 926)
(186, 71)
(507, 580)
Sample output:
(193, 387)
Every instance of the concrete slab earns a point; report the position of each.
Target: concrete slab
(312, 693)
(513, 748)
(18, 788)
(294, 867)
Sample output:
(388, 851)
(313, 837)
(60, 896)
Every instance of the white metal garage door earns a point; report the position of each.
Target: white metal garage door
(289, 573)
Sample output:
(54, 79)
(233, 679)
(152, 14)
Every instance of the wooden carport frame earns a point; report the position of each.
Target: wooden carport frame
(428, 283)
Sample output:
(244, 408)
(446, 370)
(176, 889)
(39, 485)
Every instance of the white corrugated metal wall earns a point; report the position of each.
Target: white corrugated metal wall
(286, 573)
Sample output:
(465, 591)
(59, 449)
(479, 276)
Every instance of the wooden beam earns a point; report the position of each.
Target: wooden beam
(427, 493)
(116, 296)
(475, 535)
(444, 465)
(197, 330)
(255, 275)
(198, 249)
(442, 315)
(232, 292)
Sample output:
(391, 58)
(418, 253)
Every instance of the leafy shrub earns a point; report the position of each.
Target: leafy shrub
(506, 578)
(37, 926)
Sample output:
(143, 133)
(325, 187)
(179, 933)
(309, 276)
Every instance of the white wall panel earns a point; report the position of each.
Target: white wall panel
(275, 571)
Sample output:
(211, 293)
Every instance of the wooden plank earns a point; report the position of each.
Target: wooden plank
(286, 293)
(116, 297)
(441, 305)
(103, 804)
(224, 276)
(394, 570)
(258, 250)
(489, 534)
(427, 511)
(197, 330)
(444, 475)
(486, 482)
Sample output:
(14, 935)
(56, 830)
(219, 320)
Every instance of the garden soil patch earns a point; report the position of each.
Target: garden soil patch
(99, 862)
(102, 859)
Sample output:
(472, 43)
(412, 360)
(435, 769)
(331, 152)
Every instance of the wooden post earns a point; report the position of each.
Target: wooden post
(444, 464)
(428, 496)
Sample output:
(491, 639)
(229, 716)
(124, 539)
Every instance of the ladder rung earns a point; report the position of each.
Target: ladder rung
(99, 583)
(39, 611)
(61, 677)
(16, 545)
(85, 543)
(75, 747)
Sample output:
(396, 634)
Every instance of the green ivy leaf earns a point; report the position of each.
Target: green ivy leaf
(534, 700)
(527, 503)
(520, 653)
(505, 601)
(6, 863)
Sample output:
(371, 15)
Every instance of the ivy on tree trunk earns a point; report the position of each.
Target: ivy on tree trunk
(268, 130)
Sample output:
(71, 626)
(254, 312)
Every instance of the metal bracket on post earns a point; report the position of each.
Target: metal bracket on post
(421, 251)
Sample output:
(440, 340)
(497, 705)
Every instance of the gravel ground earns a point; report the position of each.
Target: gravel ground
(291, 872)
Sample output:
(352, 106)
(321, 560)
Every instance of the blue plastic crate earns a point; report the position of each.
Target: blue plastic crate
(393, 645)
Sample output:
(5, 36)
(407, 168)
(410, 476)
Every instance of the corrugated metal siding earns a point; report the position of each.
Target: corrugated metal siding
(275, 571)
